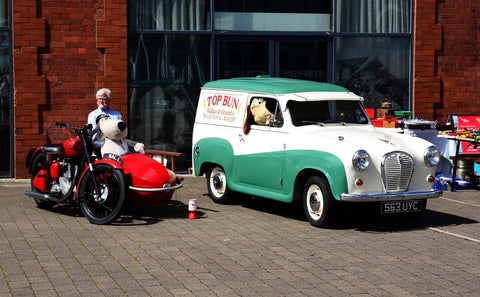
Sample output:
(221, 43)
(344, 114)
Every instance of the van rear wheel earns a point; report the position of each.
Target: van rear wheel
(217, 185)
(318, 202)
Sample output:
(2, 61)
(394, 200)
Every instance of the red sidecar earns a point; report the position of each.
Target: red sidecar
(149, 181)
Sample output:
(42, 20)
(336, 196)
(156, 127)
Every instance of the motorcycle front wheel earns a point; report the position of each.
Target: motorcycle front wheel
(105, 206)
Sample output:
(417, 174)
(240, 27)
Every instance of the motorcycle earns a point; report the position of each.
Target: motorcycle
(75, 172)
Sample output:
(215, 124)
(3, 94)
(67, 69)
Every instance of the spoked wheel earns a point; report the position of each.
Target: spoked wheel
(318, 202)
(217, 185)
(41, 162)
(106, 206)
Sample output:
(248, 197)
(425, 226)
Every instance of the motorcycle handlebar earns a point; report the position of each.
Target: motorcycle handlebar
(60, 125)
(64, 125)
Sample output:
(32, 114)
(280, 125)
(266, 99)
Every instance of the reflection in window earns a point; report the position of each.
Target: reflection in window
(376, 68)
(373, 16)
(241, 58)
(3, 13)
(326, 112)
(166, 73)
(169, 14)
(304, 60)
(5, 119)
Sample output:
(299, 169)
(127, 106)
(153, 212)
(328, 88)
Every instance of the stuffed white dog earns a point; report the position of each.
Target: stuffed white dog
(115, 132)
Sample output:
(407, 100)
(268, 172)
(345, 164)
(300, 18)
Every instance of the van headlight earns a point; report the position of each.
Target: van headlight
(361, 160)
(431, 156)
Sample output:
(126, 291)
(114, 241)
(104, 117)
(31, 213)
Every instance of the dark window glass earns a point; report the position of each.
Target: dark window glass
(327, 112)
(303, 60)
(243, 58)
(166, 73)
(5, 101)
(376, 68)
(273, 15)
(282, 6)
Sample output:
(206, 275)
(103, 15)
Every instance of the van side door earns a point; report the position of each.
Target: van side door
(261, 146)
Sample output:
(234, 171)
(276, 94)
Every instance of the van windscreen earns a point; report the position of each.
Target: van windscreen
(325, 112)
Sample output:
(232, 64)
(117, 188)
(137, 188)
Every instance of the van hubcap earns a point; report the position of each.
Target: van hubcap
(218, 181)
(315, 202)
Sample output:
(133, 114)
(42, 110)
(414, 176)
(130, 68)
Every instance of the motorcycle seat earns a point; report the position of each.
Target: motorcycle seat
(53, 148)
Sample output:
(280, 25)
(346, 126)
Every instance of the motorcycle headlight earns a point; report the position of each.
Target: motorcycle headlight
(98, 139)
(431, 156)
(361, 160)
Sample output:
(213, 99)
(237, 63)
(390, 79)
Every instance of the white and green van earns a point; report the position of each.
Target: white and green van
(319, 146)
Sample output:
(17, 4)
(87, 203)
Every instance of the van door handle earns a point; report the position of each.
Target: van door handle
(241, 138)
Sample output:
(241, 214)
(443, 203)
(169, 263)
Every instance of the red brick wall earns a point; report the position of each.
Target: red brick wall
(446, 73)
(63, 52)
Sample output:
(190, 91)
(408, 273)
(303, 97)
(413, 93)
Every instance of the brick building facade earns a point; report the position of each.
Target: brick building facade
(64, 50)
(446, 58)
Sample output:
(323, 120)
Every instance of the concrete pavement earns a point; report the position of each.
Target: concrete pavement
(252, 247)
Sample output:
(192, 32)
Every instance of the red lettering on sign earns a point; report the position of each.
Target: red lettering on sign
(230, 102)
(225, 100)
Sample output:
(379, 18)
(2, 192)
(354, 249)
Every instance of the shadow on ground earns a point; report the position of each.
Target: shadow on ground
(361, 217)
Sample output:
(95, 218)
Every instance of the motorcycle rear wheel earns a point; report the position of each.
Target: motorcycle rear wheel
(113, 194)
(41, 161)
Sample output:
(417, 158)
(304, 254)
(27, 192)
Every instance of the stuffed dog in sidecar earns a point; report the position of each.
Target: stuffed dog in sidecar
(115, 132)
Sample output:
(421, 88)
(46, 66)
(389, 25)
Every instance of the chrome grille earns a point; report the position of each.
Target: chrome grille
(397, 170)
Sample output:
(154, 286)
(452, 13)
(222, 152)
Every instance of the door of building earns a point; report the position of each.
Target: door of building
(246, 56)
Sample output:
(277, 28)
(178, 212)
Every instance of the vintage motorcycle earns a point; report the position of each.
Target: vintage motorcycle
(75, 172)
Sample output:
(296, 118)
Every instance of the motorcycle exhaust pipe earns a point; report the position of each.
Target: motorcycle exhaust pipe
(44, 197)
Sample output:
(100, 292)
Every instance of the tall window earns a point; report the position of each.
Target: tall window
(5, 93)
(166, 73)
(375, 68)
(373, 50)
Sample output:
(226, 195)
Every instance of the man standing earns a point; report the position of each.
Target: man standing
(103, 96)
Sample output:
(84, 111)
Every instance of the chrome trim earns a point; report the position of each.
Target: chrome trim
(397, 171)
(390, 196)
(43, 197)
(156, 189)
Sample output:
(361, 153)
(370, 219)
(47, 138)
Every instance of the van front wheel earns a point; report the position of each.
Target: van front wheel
(217, 185)
(318, 202)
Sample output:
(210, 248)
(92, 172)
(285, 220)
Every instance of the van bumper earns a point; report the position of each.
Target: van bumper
(391, 196)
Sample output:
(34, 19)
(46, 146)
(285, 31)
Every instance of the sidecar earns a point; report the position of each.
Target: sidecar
(148, 180)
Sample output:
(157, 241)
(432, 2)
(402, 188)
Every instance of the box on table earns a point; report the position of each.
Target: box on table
(390, 122)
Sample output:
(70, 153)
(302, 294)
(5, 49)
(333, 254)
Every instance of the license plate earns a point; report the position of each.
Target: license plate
(401, 206)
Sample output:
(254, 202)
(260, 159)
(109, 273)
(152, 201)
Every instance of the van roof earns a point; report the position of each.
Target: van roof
(272, 85)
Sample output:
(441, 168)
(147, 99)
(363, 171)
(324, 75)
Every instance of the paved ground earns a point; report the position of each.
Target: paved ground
(250, 248)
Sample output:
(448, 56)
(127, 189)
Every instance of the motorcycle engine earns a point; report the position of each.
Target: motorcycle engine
(65, 184)
(65, 181)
